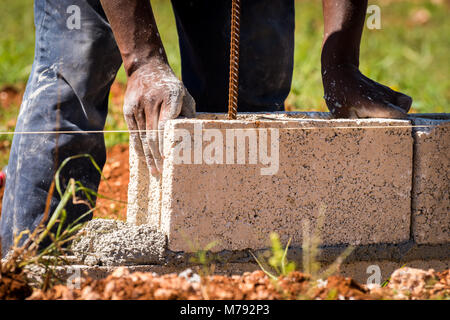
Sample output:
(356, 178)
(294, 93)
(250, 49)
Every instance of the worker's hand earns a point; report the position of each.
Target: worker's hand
(350, 94)
(154, 95)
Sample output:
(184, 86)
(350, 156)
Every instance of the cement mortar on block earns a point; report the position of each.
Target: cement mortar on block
(362, 270)
(359, 270)
(431, 197)
(396, 253)
(106, 244)
(112, 243)
(362, 175)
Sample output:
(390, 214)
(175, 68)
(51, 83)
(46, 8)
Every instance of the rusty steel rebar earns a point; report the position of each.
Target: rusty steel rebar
(233, 87)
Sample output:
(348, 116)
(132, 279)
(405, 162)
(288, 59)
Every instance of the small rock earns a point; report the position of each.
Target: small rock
(120, 272)
(190, 276)
(165, 294)
(411, 280)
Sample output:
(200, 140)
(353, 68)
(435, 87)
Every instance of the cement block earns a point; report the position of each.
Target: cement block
(295, 164)
(137, 209)
(431, 197)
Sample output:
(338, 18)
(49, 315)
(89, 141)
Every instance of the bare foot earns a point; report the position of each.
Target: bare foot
(350, 94)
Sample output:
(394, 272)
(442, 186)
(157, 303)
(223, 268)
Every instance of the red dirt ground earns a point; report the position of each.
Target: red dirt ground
(123, 285)
(10, 96)
(116, 173)
(13, 286)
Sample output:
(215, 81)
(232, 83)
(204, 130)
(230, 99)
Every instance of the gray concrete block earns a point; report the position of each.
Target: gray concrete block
(360, 170)
(431, 197)
(114, 243)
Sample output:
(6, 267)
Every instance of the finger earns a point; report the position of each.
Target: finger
(152, 116)
(135, 139)
(141, 123)
(153, 144)
(170, 110)
(173, 105)
(188, 108)
(397, 98)
(161, 126)
(380, 110)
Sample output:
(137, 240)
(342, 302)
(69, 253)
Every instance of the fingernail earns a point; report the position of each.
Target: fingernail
(159, 165)
(154, 171)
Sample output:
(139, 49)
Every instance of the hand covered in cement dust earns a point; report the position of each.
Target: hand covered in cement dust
(350, 94)
(153, 96)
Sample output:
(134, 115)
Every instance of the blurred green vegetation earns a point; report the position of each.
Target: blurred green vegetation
(409, 53)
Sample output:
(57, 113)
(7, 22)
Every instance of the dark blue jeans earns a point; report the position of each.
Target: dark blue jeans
(73, 70)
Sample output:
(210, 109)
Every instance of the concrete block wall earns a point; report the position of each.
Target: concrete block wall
(355, 181)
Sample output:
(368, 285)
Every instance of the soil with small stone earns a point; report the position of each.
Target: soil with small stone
(123, 285)
(113, 190)
(14, 285)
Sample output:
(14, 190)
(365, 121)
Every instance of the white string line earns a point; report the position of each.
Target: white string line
(206, 129)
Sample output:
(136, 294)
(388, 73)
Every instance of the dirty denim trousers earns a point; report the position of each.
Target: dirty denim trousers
(73, 71)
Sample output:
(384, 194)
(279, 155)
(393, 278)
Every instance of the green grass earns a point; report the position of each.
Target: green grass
(16, 41)
(409, 57)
